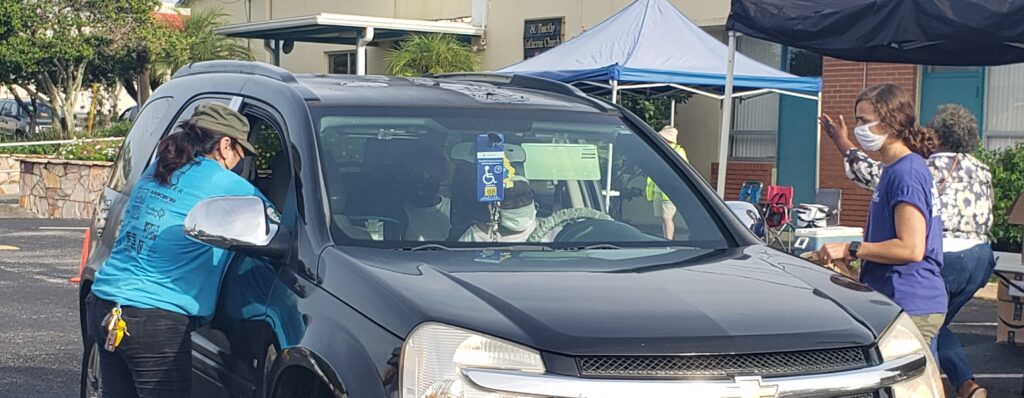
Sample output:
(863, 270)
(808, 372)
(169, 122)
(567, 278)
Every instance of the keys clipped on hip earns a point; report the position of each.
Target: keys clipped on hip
(116, 328)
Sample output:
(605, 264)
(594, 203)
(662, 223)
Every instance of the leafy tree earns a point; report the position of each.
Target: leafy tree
(656, 112)
(47, 46)
(431, 54)
(1007, 166)
(197, 42)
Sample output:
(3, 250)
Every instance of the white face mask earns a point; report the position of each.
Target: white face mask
(868, 140)
(520, 219)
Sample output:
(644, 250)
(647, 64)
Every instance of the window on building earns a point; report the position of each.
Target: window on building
(1004, 106)
(755, 123)
(342, 63)
(755, 120)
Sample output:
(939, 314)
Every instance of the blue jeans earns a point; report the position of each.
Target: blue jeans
(964, 273)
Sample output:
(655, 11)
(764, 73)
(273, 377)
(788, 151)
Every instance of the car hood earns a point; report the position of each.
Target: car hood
(615, 302)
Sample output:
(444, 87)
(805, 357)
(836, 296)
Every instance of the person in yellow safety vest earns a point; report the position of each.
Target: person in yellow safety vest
(663, 207)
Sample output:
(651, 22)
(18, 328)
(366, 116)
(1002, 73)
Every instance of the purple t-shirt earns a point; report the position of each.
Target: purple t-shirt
(917, 287)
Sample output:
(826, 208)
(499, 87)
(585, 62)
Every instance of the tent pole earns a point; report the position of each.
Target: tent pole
(672, 115)
(615, 91)
(817, 149)
(723, 143)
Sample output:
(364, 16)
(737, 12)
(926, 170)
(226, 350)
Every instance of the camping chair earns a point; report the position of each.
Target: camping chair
(832, 198)
(750, 192)
(778, 231)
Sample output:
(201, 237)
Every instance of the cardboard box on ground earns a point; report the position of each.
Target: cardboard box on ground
(1010, 325)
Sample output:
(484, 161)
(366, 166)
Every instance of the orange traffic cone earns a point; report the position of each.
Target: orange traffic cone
(85, 256)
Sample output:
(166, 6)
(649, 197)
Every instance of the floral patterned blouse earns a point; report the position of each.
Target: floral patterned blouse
(966, 190)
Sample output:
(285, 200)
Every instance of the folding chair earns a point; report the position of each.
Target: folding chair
(778, 230)
(833, 198)
(750, 192)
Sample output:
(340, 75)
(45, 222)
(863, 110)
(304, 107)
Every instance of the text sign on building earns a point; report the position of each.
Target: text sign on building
(541, 34)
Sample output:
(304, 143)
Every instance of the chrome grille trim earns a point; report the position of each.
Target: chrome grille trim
(723, 366)
(852, 382)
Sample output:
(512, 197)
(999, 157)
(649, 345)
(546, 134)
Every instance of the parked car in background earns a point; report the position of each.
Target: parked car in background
(16, 121)
(335, 295)
(129, 114)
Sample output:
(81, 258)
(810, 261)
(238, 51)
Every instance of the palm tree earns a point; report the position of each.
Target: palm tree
(197, 41)
(431, 54)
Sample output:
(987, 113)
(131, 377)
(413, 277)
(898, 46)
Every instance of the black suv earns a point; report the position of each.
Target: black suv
(398, 266)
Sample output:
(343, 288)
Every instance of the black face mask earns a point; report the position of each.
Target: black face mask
(239, 168)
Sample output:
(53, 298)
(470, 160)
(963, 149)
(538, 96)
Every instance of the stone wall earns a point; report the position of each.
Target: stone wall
(54, 188)
(10, 172)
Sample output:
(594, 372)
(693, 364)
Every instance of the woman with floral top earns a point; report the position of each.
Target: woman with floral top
(964, 186)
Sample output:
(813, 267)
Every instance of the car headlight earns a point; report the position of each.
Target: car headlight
(434, 354)
(903, 339)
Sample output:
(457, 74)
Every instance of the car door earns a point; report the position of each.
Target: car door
(229, 351)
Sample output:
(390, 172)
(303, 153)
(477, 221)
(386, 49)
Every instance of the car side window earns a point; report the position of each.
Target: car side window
(271, 166)
(5, 109)
(145, 126)
(185, 113)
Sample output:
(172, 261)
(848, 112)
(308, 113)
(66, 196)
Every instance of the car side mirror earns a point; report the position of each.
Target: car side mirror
(243, 223)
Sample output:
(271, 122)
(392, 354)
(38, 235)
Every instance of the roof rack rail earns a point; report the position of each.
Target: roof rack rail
(242, 67)
(529, 82)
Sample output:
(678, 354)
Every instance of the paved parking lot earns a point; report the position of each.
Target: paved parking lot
(40, 348)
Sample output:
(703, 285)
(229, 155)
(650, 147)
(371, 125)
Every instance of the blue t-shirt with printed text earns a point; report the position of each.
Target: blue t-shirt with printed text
(916, 287)
(153, 264)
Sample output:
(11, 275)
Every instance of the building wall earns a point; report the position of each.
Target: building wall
(699, 122)
(843, 81)
(505, 23)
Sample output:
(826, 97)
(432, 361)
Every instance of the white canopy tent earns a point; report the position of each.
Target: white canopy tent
(650, 48)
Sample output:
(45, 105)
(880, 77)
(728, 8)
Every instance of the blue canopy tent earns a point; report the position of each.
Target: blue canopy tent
(651, 46)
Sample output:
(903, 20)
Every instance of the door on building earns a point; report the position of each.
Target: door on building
(964, 85)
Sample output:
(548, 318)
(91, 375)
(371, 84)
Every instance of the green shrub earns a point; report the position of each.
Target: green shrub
(1007, 168)
(29, 150)
(116, 129)
(105, 151)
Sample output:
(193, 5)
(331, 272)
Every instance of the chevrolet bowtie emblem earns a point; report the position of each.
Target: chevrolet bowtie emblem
(750, 387)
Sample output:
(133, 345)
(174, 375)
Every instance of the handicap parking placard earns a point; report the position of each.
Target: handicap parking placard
(490, 167)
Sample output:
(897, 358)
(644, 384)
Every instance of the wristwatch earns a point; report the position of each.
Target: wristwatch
(854, 248)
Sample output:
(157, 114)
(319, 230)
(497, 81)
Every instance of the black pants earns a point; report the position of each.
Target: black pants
(155, 360)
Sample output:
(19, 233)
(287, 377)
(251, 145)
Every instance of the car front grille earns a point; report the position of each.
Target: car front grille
(723, 366)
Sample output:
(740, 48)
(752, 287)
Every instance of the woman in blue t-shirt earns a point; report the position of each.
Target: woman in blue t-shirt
(158, 281)
(902, 250)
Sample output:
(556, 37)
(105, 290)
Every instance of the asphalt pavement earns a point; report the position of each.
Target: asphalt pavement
(40, 347)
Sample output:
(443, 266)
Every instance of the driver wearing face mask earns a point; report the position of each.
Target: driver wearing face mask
(517, 217)
(428, 212)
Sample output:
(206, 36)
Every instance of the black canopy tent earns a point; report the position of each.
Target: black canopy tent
(930, 32)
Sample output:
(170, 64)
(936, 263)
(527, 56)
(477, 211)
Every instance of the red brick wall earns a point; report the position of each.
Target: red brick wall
(842, 82)
(739, 172)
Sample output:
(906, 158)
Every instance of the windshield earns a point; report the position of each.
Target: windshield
(468, 178)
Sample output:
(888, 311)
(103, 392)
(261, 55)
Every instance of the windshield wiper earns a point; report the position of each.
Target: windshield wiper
(441, 247)
(427, 247)
(598, 246)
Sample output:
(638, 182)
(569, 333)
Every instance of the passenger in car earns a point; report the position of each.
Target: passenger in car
(428, 212)
(517, 217)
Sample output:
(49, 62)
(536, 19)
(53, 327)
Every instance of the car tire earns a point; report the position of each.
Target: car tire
(91, 383)
(18, 134)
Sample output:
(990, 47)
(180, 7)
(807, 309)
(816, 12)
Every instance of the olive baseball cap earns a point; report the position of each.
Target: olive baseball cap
(220, 119)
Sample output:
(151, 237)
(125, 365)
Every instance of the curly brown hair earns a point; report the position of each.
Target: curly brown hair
(896, 111)
(956, 128)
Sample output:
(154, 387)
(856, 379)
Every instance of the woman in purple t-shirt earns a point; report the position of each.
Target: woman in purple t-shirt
(902, 250)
